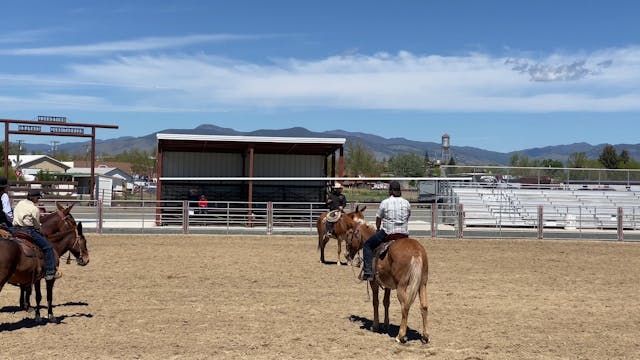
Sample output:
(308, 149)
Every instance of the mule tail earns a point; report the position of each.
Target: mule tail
(414, 278)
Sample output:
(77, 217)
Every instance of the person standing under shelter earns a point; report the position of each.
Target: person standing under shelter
(6, 216)
(203, 204)
(336, 202)
(26, 218)
(392, 217)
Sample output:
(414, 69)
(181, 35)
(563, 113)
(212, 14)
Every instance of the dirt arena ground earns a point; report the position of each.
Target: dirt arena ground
(261, 297)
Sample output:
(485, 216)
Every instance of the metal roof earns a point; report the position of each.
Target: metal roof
(260, 144)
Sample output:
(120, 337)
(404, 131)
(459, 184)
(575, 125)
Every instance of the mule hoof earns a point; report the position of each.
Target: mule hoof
(401, 340)
(425, 339)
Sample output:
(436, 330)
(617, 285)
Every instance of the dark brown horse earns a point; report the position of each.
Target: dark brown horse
(338, 228)
(403, 268)
(21, 264)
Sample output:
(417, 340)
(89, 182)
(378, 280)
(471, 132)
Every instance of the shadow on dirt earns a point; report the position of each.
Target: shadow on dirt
(392, 331)
(30, 322)
(333, 263)
(15, 309)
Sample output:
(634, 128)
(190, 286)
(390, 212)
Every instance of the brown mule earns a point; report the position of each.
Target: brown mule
(404, 268)
(18, 268)
(338, 228)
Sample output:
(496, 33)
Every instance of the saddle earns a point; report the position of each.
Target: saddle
(29, 249)
(380, 252)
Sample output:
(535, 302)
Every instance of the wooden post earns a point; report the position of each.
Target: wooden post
(434, 229)
(460, 221)
(540, 222)
(620, 225)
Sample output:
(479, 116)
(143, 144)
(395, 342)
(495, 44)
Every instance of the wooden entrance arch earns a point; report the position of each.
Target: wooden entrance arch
(57, 126)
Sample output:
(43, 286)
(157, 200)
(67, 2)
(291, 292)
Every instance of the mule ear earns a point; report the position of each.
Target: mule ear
(356, 210)
(363, 208)
(60, 207)
(68, 210)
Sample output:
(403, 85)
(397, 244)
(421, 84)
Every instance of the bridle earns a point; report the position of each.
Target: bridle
(67, 219)
(353, 234)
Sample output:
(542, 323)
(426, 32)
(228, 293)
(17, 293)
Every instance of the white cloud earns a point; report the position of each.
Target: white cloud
(602, 81)
(141, 44)
(16, 37)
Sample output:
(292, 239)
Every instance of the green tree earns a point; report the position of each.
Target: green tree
(407, 165)
(550, 163)
(360, 161)
(624, 159)
(577, 160)
(520, 160)
(609, 157)
(626, 162)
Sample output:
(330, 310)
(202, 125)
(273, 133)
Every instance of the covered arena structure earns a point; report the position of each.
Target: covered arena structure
(247, 169)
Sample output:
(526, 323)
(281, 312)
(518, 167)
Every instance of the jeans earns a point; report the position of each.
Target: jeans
(47, 249)
(328, 228)
(369, 247)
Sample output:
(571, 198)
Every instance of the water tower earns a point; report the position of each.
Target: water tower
(446, 149)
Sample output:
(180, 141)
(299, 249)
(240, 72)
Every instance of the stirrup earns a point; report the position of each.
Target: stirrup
(56, 275)
(365, 277)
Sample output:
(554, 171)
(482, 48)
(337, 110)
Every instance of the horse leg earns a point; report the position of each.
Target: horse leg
(339, 239)
(323, 237)
(25, 297)
(386, 301)
(424, 309)
(404, 308)
(21, 301)
(323, 242)
(50, 299)
(374, 294)
(36, 285)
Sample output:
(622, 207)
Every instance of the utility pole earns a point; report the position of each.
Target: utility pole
(54, 148)
(19, 151)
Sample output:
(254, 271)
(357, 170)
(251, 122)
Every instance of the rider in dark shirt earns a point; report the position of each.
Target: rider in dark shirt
(336, 200)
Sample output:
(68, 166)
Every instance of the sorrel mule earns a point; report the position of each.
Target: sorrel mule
(22, 263)
(338, 228)
(403, 268)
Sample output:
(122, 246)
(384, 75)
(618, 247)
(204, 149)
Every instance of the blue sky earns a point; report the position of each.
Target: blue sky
(499, 75)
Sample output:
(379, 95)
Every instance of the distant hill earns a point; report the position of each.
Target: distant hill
(383, 148)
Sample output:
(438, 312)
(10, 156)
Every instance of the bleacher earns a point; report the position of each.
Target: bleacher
(562, 208)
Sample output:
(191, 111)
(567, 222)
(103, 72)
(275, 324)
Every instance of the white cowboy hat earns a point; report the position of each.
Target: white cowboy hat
(337, 186)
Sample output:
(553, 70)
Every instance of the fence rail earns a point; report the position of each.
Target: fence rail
(451, 220)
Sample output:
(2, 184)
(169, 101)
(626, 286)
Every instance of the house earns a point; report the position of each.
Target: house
(31, 165)
(124, 166)
(83, 174)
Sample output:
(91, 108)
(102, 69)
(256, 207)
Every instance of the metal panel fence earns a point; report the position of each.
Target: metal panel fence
(447, 220)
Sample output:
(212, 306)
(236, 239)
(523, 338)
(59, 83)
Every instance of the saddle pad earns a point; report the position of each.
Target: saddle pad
(22, 235)
(29, 249)
(396, 236)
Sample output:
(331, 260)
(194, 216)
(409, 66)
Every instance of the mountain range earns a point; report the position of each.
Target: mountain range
(383, 148)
